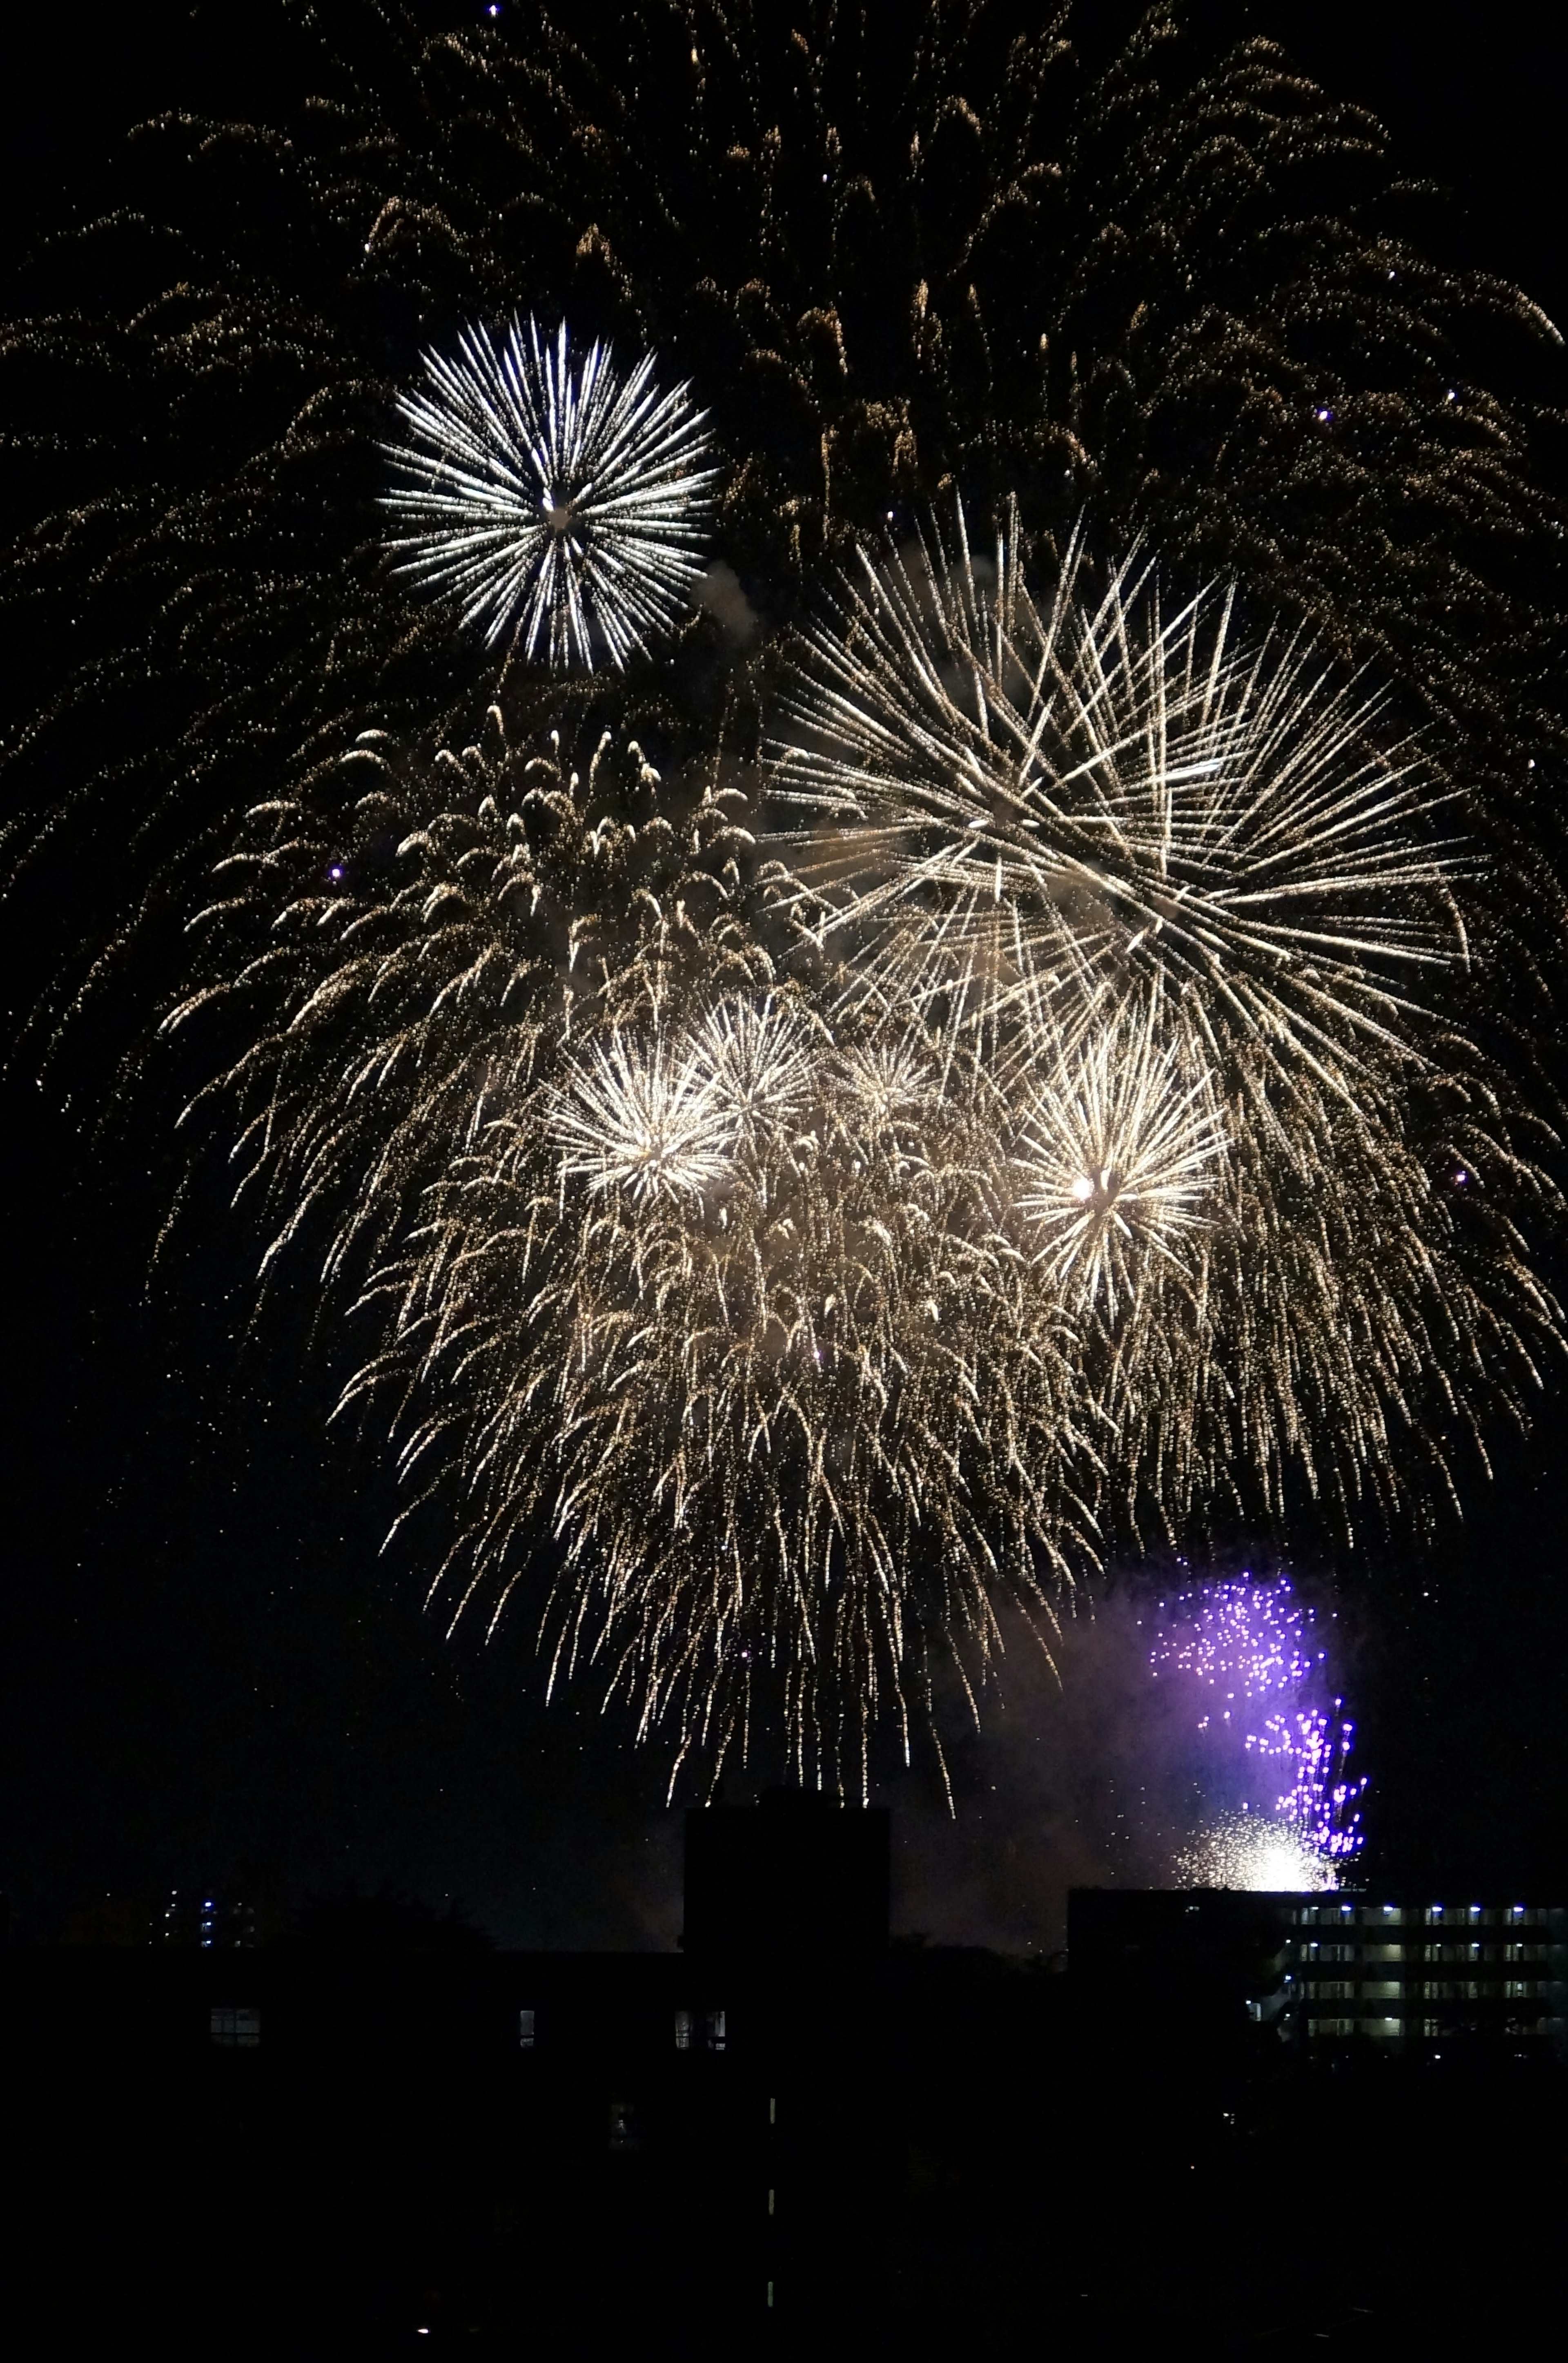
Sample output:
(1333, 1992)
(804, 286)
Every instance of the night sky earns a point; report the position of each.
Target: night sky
(211, 1675)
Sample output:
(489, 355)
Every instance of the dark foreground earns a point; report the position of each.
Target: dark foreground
(930, 2153)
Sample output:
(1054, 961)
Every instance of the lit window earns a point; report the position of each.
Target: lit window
(699, 2030)
(526, 2037)
(627, 2131)
(236, 2030)
(1521, 1989)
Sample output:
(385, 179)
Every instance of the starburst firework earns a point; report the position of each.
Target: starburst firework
(1009, 797)
(1118, 1152)
(558, 505)
(642, 1119)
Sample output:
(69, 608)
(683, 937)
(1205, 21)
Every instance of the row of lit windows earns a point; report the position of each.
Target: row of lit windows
(1491, 1954)
(235, 2029)
(1383, 1989)
(1434, 1915)
(1315, 1950)
(1387, 2029)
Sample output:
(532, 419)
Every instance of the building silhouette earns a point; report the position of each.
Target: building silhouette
(789, 2136)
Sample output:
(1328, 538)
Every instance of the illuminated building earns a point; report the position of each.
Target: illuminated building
(1421, 1976)
(1323, 1971)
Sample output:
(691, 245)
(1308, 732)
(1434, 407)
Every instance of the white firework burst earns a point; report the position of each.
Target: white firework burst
(889, 1081)
(645, 1118)
(1120, 1145)
(555, 501)
(1006, 796)
(758, 1060)
(1257, 1854)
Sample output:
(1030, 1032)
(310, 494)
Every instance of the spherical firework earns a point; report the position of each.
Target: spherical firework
(560, 507)
(758, 1061)
(646, 1120)
(1009, 797)
(648, 1262)
(1117, 1151)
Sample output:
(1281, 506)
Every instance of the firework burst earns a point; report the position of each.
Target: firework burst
(1118, 1152)
(1173, 892)
(1257, 1854)
(1259, 1662)
(642, 1119)
(664, 1284)
(1008, 797)
(558, 505)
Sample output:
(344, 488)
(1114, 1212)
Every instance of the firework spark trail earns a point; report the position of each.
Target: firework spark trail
(1256, 1650)
(558, 505)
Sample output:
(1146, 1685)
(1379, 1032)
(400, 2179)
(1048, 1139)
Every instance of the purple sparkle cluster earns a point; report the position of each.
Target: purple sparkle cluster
(1253, 1645)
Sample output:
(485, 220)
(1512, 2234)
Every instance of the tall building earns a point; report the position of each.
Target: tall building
(798, 1873)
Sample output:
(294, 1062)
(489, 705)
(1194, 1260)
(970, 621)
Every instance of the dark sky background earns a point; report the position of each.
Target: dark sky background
(210, 1672)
